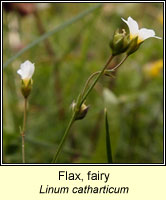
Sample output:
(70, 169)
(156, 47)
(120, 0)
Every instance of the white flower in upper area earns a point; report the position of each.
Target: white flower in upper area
(142, 33)
(26, 71)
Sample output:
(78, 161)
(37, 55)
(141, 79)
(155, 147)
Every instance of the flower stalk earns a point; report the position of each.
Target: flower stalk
(97, 78)
(23, 130)
(117, 66)
(64, 138)
(78, 106)
(81, 99)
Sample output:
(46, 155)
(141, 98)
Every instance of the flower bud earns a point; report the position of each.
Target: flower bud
(26, 87)
(119, 43)
(80, 112)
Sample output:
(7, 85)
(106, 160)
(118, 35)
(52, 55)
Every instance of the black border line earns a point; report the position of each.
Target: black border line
(79, 164)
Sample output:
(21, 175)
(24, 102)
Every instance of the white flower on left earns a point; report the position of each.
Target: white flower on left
(26, 71)
(142, 33)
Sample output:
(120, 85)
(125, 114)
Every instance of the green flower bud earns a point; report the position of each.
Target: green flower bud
(119, 43)
(80, 112)
(26, 87)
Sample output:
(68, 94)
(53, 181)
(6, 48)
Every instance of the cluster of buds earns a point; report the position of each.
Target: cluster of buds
(129, 43)
(26, 71)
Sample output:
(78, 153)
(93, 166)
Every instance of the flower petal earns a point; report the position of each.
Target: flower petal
(133, 26)
(19, 72)
(26, 70)
(145, 33)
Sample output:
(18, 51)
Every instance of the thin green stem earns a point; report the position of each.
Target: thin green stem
(97, 78)
(82, 98)
(23, 130)
(98, 72)
(88, 81)
(80, 103)
(117, 66)
(64, 138)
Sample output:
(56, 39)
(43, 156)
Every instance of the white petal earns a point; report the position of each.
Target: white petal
(145, 33)
(133, 26)
(19, 72)
(157, 37)
(26, 70)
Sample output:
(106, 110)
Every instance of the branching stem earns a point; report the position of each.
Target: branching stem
(80, 103)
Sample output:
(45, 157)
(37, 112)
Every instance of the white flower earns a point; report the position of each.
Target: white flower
(142, 33)
(26, 71)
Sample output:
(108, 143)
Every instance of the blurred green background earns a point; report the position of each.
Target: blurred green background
(64, 61)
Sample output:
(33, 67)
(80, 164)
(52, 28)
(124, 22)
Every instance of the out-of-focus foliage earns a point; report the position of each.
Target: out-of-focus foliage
(134, 98)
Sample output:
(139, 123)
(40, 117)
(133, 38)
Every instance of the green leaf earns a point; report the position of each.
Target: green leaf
(55, 30)
(108, 141)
